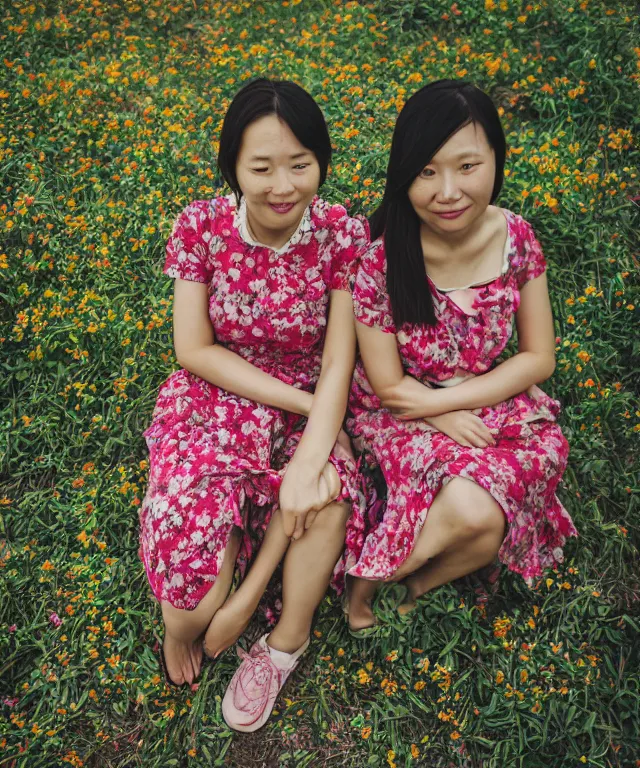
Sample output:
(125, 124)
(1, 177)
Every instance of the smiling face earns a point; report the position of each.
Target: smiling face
(278, 178)
(453, 191)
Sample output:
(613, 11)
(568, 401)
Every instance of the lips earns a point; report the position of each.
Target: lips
(451, 214)
(282, 207)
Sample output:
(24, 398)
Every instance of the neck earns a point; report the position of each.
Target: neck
(274, 238)
(449, 243)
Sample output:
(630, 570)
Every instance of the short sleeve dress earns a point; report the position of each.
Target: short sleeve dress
(216, 459)
(521, 471)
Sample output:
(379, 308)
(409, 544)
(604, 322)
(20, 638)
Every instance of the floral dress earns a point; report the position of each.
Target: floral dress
(216, 459)
(521, 472)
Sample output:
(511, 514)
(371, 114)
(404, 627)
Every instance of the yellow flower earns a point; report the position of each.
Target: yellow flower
(366, 732)
(363, 677)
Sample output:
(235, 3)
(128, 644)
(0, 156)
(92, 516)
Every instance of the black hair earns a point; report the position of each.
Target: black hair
(291, 104)
(426, 122)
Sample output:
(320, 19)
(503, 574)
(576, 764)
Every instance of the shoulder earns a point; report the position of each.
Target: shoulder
(347, 230)
(373, 258)
(520, 230)
(200, 215)
(527, 260)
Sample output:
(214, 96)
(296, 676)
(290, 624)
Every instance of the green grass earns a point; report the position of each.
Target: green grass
(109, 115)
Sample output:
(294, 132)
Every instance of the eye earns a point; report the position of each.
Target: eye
(469, 166)
(259, 170)
(427, 173)
(300, 166)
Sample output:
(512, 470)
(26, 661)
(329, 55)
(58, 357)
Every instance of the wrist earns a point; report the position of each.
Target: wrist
(305, 403)
(306, 466)
(435, 402)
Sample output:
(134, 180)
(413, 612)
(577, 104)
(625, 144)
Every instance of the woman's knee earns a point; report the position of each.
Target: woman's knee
(472, 510)
(332, 520)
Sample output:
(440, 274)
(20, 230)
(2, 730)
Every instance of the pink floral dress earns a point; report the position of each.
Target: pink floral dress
(521, 471)
(216, 459)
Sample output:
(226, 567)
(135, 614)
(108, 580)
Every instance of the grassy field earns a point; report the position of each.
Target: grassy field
(109, 117)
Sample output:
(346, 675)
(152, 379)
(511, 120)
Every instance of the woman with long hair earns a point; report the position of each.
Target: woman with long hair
(467, 444)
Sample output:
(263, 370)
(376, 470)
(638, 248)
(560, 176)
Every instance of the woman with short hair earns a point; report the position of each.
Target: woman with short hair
(247, 458)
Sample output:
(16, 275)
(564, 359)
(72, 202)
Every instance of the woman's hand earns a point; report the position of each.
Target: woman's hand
(464, 427)
(304, 493)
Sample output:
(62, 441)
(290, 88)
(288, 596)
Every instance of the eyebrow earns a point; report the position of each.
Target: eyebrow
(463, 154)
(264, 158)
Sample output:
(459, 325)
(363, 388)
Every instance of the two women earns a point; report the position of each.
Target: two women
(248, 459)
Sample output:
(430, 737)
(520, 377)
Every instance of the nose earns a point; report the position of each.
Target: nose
(282, 184)
(449, 190)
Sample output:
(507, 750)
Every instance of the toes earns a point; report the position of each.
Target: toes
(176, 676)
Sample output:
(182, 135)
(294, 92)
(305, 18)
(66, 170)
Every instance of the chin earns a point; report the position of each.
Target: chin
(447, 225)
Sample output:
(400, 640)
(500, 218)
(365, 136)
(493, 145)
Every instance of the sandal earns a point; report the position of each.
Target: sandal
(364, 632)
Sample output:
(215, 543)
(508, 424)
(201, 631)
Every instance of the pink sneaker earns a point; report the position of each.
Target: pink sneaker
(255, 686)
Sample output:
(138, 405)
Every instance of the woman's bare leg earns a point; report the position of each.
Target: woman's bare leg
(361, 593)
(453, 564)
(232, 618)
(308, 566)
(182, 649)
(461, 512)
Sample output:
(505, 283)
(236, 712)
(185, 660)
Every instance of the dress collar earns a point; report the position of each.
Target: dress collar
(240, 223)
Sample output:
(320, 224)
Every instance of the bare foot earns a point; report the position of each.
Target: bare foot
(229, 622)
(414, 591)
(183, 660)
(361, 615)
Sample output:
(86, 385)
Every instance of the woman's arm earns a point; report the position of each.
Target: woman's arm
(304, 487)
(197, 351)
(534, 362)
(382, 363)
(384, 371)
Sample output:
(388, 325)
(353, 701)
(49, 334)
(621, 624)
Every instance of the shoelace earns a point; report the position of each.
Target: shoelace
(255, 678)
